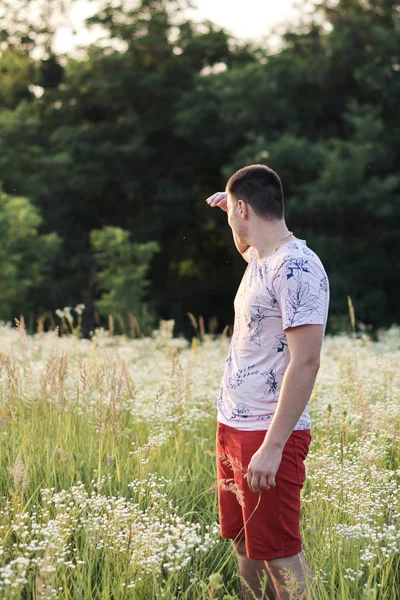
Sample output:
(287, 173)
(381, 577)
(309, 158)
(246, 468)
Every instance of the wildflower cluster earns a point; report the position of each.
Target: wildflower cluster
(352, 468)
(56, 537)
(66, 312)
(106, 467)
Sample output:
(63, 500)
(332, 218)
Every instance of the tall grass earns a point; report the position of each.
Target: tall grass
(108, 485)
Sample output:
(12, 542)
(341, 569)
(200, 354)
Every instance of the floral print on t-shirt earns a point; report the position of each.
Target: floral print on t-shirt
(288, 289)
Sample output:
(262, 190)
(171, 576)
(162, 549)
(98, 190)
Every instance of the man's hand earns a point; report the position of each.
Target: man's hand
(219, 199)
(263, 468)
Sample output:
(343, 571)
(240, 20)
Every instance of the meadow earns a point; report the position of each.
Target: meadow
(108, 487)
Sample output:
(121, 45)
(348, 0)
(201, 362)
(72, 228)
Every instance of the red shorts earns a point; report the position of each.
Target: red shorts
(273, 531)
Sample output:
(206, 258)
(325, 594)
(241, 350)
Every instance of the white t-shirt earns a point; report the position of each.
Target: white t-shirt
(287, 289)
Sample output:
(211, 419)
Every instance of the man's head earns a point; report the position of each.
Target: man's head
(259, 187)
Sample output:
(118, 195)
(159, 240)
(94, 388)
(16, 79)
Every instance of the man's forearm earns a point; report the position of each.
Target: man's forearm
(241, 247)
(296, 390)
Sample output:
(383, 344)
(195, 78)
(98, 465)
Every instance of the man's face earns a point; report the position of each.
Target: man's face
(235, 218)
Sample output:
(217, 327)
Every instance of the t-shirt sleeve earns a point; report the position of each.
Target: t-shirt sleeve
(302, 292)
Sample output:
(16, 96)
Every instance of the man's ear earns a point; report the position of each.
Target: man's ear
(243, 209)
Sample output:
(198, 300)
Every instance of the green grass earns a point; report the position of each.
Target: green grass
(107, 479)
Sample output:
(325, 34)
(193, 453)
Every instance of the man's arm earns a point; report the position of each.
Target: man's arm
(220, 199)
(304, 344)
(242, 248)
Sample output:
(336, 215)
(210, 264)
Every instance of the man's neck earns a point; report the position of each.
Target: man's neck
(267, 239)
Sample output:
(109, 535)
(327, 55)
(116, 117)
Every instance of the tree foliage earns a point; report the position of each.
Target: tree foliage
(26, 257)
(122, 268)
(137, 132)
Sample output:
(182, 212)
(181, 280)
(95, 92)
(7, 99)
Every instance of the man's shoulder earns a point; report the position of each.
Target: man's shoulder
(299, 263)
(297, 253)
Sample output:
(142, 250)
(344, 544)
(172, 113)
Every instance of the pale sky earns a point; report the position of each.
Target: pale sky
(248, 19)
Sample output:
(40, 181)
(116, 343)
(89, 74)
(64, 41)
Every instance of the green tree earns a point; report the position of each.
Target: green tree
(323, 112)
(26, 257)
(122, 269)
(103, 148)
(141, 129)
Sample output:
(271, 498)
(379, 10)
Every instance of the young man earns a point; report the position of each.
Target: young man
(263, 435)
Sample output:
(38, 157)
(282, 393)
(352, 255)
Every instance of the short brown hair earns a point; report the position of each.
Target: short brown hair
(261, 188)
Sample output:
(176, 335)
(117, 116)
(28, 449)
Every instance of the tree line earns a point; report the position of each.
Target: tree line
(107, 157)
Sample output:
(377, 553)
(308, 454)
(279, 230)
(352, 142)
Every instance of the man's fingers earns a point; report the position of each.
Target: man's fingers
(252, 481)
(248, 476)
(212, 199)
(257, 482)
(263, 483)
(216, 198)
(254, 485)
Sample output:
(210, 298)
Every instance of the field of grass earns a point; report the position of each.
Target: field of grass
(108, 484)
